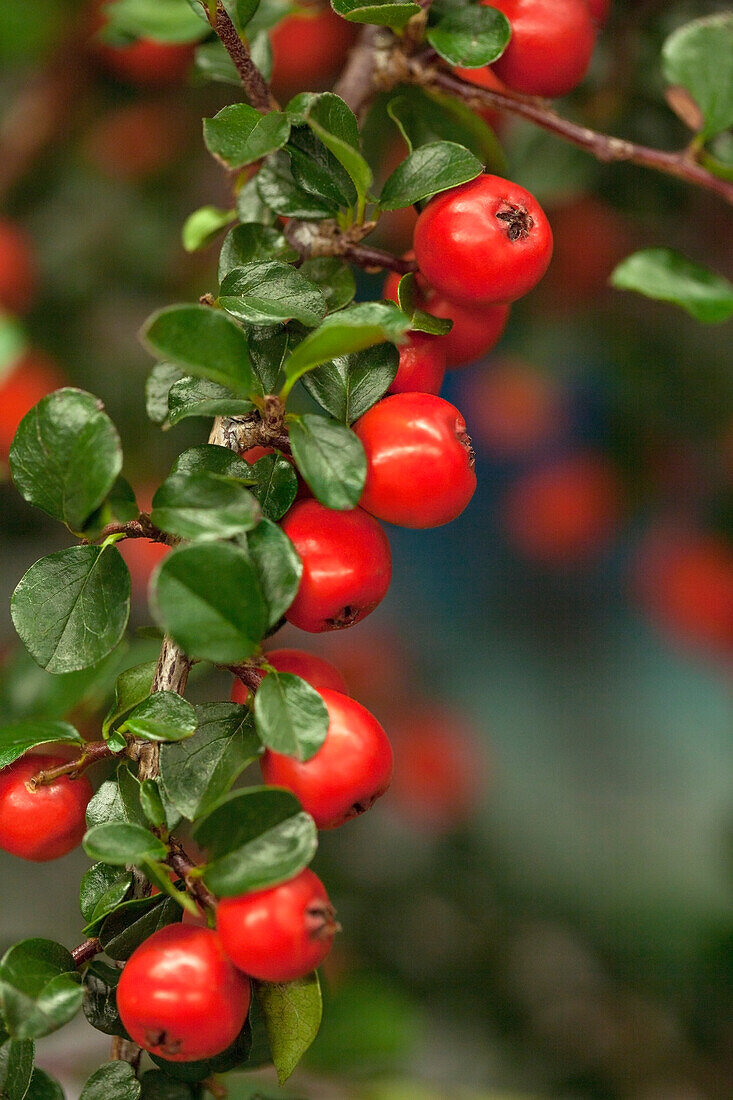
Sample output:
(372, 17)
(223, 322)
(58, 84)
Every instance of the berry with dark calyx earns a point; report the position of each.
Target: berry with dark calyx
(484, 242)
(350, 771)
(347, 566)
(44, 822)
(420, 464)
(422, 365)
(550, 48)
(279, 934)
(317, 671)
(180, 997)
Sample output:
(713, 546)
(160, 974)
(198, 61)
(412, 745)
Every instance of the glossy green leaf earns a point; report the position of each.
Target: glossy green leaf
(163, 716)
(426, 116)
(279, 191)
(388, 13)
(133, 922)
(318, 171)
(39, 988)
(240, 135)
(255, 838)
(17, 739)
(276, 486)
(113, 1081)
(204, 341)
(204, 226)
(102, 888)
(106, 805)
(196, 773)
(348, 386)
(432, 168)
(334, 124)
(335, 279)
(420, 321)
(209, 458)
(121, 843)
(469, 36)
(669, 277)
(269, 347)
(253, 243)
(699, 57)
(203, 506)
(161, 20)
(293, 1012)
(331, 458)
(100, 998)
(290, 715)
(152, 803)
(189, 397)
(131, 687)
(208, 599)
(263, 293)
(71, 608)
(16, 1066)
(278, 567)
(250, 206)
(66, 456)
(157, 388)
(44, 1087)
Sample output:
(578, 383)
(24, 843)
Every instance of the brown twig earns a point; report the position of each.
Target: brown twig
(182, 864)
(91, 753)
(603, 147)
(140, 528)
(370, 68)
(85, 951)
(255, 85)
(327, 239)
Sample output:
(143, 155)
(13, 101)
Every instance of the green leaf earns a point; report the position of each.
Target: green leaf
(276, 487)
(214, 63)
(200, 397)
(278, 566)
(16, 1066)
(210, 458)
(290, 715)
(203, 506)
(263, 293)
(407, 296)
(669, 277)
(119, 506)
(256, 837)
(292, 1013)
(336, 280)
(204, 341)
(269, 348)
(113, 1081)
(163, 716)
(207, 597)
(239, 135)
(352, 329)
(100, 998)
(157, 1085)
(253, 243)
(66, 456)
(699, 57)
(102, 888)
(349, 385)
(318, 171)
(71, 608)
(121, 843)
(13, 342)
(331, 458)
(131, 687)
(157, 387)
(388, 13)
(203, 226)
(432, 168)
(17, 739)
(43, 1087)
(424, 117)
(162, 20)
(106, 805)
(250, 206)
(133, 922)
(279, 191)
(334, 124)
(470, 37)
(39, 988)
(196, 773)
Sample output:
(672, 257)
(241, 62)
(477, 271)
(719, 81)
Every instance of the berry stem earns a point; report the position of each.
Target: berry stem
(93, 751)
(86, 951)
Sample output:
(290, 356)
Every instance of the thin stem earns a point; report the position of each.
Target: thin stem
(376, 259)
(85, 951)
(93, 751)
(183, 865)
(140, 528)
(369, 69)
(602, 146)
(255, 85)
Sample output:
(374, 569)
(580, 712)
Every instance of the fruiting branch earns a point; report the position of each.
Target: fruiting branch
(93, 751)
(255, 85)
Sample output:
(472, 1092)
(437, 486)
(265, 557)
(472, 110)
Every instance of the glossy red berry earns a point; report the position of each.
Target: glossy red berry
(309, 47)
(44, 823)
(350, 771)
(280, 934)
(484, 242)
(347, 566)
(317, 671)
(422, 365)
(180, 997)
(17, 269)
(550, 48)
(420, 465)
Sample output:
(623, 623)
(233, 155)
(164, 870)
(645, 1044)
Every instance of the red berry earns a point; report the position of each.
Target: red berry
(145, 63)
(419, 460)
(514, 408)
(136, 140)
(350, 771)
(309, 48)
(347, 566)
(44, 823)
(28, 380)
(599, 10)
(17, 269)
(422, 365)
(280, 934)
(318, 672)
(180, 997)
(550, 48)
(484, 242)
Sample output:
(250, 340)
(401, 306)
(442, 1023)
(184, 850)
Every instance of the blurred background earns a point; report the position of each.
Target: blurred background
(541, 906)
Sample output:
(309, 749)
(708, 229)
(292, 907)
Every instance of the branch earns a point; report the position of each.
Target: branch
(327, 239)
(183, 865)
(602, 146)
(370, 69)
(255, 85)
(140, 528)
(86, 951)
(93, 751)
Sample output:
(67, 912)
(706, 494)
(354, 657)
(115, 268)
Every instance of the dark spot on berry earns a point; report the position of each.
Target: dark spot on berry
(518, 220)
(320, 921)
(465, 440)
(161, 1042)
(347, 616)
